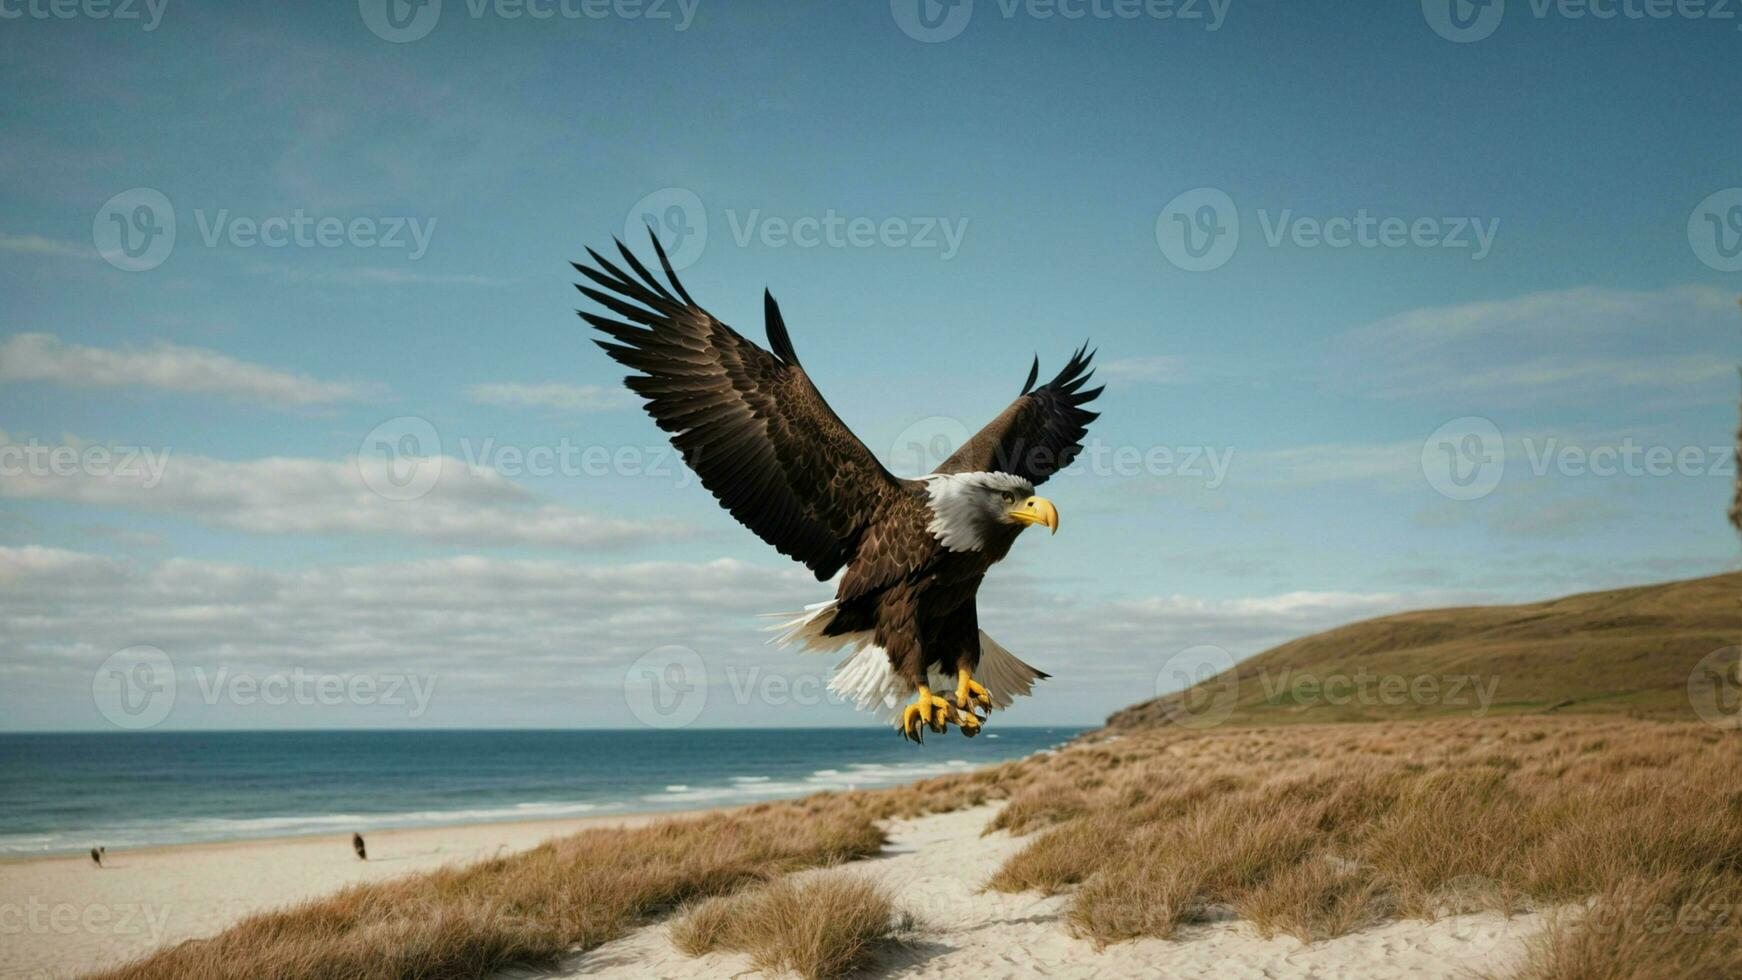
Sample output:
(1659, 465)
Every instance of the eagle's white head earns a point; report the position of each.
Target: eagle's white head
(970, 508)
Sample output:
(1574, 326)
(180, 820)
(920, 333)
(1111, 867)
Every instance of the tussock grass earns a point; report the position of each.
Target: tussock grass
(819, 926)
(1314, 831)
(1670, 927)
(526, 909)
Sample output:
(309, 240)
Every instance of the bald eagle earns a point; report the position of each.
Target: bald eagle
(761, 438)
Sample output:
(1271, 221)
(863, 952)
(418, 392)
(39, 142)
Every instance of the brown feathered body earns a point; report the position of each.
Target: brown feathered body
(911, 553)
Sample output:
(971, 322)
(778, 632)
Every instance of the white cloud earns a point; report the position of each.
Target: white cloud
(497, 636)
(378, 276)
(562, 397)
(38, 245)
(1581, 342)
(1156, 370)
(539, 642)
(467, 505)
(1390, 465)
(169, 367)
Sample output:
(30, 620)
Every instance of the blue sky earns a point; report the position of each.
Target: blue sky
(1538, 270)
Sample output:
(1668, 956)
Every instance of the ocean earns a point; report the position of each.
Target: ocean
(62, 793)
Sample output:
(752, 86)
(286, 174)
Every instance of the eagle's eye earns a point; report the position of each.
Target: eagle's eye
(1009, 497)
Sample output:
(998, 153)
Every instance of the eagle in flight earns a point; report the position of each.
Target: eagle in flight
(761, 438)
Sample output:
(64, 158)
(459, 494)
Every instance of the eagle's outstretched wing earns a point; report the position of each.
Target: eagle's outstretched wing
(748, 422)
(1042, 430)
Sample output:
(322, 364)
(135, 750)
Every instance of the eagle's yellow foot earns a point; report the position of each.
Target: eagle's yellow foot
(969, 693)
(969, 723)
(927, 711)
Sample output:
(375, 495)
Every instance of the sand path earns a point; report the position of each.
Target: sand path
(938, 864)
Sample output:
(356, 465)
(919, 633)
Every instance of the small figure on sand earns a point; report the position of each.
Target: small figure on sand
(357, 845)
(97, 856)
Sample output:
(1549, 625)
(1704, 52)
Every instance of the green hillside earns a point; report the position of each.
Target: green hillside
(1630, 651)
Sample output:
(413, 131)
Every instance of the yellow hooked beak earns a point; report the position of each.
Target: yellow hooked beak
(1036, 510)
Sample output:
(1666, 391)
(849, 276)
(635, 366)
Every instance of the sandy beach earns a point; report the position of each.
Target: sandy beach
(61, 917)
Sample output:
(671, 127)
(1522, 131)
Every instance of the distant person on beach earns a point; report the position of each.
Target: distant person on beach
(97, 857)
(357, 845)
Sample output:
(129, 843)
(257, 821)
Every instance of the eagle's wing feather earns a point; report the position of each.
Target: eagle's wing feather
(1042, 430)
(748, 422)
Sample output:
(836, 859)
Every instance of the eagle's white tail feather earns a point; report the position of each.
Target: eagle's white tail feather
(806, 629)
(866, 680)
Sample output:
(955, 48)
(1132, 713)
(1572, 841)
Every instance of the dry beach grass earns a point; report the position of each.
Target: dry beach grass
(1316, 831)
(819, 927)
(529, 908)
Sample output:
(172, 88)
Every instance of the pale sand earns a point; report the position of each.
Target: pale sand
(937, 865)
(62, 916)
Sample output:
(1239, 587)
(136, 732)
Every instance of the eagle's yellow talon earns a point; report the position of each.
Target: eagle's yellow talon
(969, 724)
(969, 692)
(927, 711)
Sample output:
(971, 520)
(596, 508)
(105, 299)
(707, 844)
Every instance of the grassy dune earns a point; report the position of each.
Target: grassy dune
(1626, 651)
(1315, 831)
